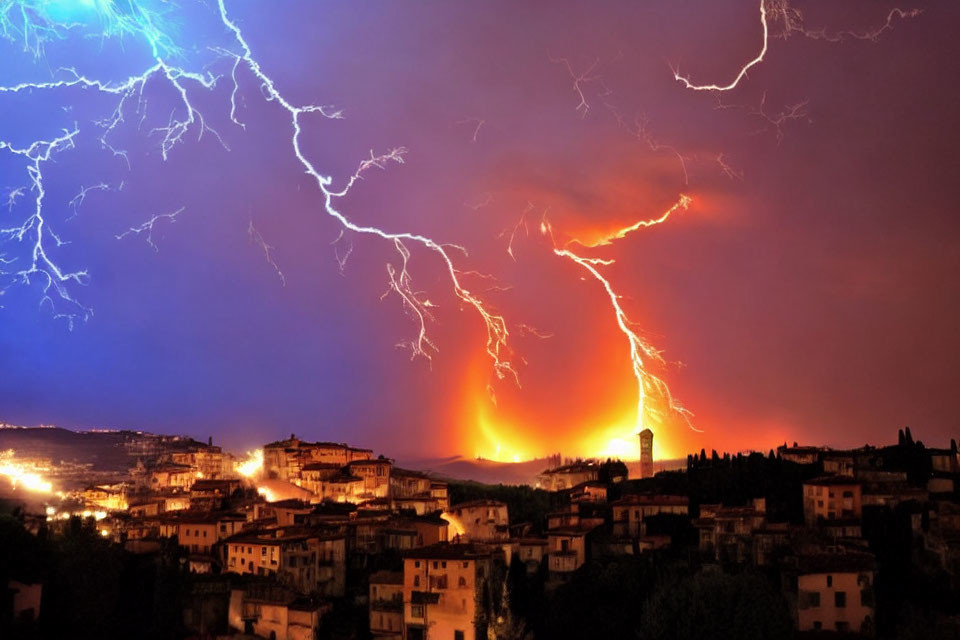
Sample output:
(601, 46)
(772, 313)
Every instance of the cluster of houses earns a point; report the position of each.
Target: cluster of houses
(276, 546)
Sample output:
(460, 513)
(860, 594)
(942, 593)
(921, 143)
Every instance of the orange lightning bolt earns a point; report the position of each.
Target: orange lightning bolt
(649, 385)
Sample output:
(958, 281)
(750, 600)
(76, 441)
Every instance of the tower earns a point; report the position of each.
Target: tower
(646, 453)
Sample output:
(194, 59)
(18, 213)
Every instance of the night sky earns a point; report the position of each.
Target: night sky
(809, 293)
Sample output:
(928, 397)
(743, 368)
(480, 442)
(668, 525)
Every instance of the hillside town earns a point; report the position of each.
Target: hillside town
(301, 540)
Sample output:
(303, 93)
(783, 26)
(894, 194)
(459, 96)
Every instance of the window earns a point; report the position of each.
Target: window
(829, 581)
(263, 551)
(840, 599)
(462, 582)
(416, 581)
(443, 564)
(843, 626)
(416, 611)
(809, 599)
(416, 564)
(435, 564)
(466, 564)
(458, 635)
(817, 625)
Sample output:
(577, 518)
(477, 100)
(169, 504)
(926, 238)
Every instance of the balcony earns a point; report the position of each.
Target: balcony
(393, 604)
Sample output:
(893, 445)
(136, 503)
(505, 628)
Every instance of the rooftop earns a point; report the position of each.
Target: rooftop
(448, 551)
(472, 504)
(834, 480)
(650, 499)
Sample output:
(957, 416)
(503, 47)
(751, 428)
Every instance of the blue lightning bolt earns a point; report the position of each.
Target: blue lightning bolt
(35, 23)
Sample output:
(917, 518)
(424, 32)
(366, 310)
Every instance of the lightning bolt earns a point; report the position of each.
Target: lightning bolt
(267, 249)
(792, 22)
(36, 22)
(148, 227)
(649, 385)
(36, 233)
(400, 280)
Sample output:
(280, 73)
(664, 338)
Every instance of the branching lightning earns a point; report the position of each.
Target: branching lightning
(649, 385)
(792, 22)
(257, 239)
(148, 227)
(36, 233)
(35, 23)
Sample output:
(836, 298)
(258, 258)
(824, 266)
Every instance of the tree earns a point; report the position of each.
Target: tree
(734, 607)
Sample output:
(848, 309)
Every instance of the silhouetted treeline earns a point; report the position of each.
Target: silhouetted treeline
(91, 588)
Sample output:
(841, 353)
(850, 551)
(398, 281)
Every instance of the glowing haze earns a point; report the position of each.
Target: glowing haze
(202, 206)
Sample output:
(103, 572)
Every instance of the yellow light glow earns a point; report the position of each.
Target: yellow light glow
(252, 465)
(22, 475)
(455, 526)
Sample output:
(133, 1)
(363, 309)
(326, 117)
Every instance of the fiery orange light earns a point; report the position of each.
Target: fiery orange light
(23, 475)
(252, 465)
(654, 399)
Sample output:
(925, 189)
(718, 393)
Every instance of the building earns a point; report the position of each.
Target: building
(835, 593)
(630, 511)
(738, 534)
(588, 492)
(386, 605)
(569, 475)
(568, 549)
(199, 532)
(269, 610)
(209, 461)
(832, 498)
(646, 453)
(171, 475)
(798, 454)
(308, 559)
(442, 585)
(375, 475)
(285, 459)
(480, 520)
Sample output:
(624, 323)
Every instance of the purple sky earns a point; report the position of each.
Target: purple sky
(813, 296)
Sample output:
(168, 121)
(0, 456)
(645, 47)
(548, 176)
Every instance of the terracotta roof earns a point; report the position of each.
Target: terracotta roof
(835, 480)
(477, 503)
(640, 499)
(447, 551)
